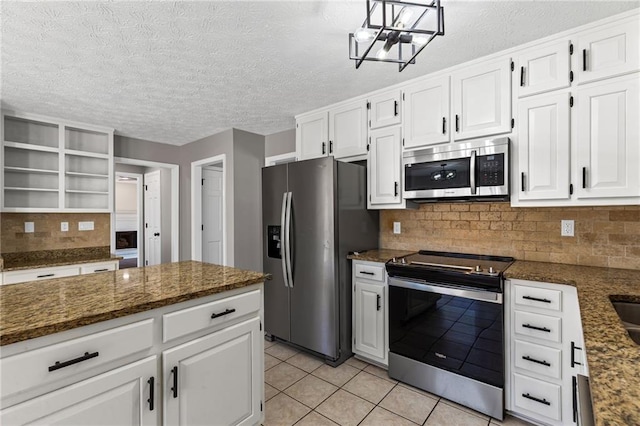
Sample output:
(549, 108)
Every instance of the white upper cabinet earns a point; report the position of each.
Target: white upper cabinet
(608, 143)
(426, 113)
(482, 100)
(348, 129)
(312, 136)
(543, 148)
(543, 69)
(385, 184)
(385, 109)
(611, 51)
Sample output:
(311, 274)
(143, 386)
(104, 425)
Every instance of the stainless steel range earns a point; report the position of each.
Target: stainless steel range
(446, 326)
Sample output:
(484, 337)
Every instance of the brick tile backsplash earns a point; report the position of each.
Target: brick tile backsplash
(604, 236)
(47, 235)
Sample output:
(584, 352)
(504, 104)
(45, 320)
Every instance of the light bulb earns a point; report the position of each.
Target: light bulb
(382, 54)
(419, 41)
(404, 16)
(363, 35)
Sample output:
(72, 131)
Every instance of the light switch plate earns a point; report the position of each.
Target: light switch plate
(396, 228)
(85, 226)
(567, 228)
(29, 227)
(64, 226)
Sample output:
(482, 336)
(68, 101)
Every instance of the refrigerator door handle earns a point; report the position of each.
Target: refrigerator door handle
(288, 240)
(283, 241)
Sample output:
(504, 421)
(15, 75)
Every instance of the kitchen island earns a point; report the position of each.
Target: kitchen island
(134, 341)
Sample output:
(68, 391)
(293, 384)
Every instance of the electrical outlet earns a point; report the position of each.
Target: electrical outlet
(29, 227)
(396, 227)
(64, 226)
(85, 226)
(566, 228)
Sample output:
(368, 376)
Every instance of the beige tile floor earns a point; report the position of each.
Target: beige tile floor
(303, 391)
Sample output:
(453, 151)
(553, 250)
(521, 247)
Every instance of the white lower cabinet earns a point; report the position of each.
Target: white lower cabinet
(125, 396)
(370, 313)
(545, 351)
(37, 274)
(215, 377)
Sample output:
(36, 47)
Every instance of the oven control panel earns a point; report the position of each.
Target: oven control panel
(490, 170)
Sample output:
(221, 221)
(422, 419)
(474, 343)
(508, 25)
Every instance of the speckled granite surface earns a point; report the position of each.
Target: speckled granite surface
(378, 255)
(48, 258)
(34, 309)
(613, 358)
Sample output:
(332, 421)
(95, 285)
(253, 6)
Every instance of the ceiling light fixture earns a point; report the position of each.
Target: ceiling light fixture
(400, 28)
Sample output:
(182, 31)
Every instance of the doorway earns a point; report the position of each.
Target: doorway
(128, 219)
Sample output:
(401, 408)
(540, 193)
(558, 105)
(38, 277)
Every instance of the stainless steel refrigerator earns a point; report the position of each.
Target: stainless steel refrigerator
(314, 213)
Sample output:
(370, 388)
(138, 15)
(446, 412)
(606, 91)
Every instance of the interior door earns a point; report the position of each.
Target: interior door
(152, 219)
(212, 215)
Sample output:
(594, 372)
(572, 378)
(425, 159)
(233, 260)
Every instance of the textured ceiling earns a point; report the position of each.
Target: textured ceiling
(175, 72)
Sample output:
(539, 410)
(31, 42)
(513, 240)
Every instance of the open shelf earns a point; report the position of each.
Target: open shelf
(28, 170)
(77, 191)
(86, 174)
(31, 132)
(85, 154)
(30, 147)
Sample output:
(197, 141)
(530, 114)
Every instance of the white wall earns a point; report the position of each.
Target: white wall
(126, 197)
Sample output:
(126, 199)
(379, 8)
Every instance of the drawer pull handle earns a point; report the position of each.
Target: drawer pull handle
(101, 270)
(367, 273)
(58, 365)
(221, 314)
(174, 388)
(151, 399)
(46, 275)
(533, 327)
(536, 299)
(528, 358)
(533, 398)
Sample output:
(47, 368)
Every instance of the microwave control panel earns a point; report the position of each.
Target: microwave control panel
(490, 170)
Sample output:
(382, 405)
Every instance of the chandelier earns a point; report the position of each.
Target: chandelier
(396, 31)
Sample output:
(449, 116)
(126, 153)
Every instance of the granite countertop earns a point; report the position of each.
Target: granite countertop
(613, 358)
(49, 258)
(39, 308)
(378, 255)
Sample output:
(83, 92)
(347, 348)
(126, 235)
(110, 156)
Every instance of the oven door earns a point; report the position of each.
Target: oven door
(454, 329)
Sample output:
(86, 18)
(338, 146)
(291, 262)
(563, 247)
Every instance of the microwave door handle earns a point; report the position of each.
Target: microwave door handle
(472, 173)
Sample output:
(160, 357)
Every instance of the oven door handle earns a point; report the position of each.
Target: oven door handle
(485, 296)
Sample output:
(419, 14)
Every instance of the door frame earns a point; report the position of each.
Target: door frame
(175, 202)
(218, 161)
(139, 213)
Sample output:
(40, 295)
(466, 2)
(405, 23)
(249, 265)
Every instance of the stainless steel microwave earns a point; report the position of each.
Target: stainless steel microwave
(469, 171)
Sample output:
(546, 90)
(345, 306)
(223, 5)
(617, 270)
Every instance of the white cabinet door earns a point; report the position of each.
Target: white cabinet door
(369, 319)
(426, 112)
(124, 396)
(216, 378)
(385, 109)
(385, 180)
(482, 100)
(312, 136)
(609, 52)
(608, 151)
(543, 148)
(348, 130)
(544, 69)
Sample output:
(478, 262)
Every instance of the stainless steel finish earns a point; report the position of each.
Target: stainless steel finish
(485, 296)
(283, 242)
(480, 396)
(472, 176)
(287, 239)
(585, 409)
(629, 313)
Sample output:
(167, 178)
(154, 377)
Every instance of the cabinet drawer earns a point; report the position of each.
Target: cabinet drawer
(369, 272)
(91, 268)
(35, 368)
(190, 320)
(543, 298)
(540, 326)
(13, 277)
(538, 359)
(537, 396)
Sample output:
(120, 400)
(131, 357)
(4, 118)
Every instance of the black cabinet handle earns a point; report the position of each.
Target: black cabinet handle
(444, 125)
(584, 177)
(521, 76)
(395, 189)
(528, 358)
(101, 270)
(58, 365)
(457, 123)
(573, 355)
(378, 302)
(221, 314)
(324, 148)
(174, 388)
(533, 398)
(535, 299)
(156, 234)
(46, 275)
(330, 147)
(533, 327)
(522, 183)
(395, 108)
(151, 399)
(584, 59)
(367, 273)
